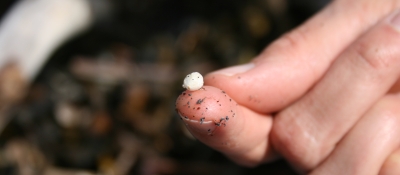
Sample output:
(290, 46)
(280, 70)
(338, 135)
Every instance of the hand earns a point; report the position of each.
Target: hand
(325, 96)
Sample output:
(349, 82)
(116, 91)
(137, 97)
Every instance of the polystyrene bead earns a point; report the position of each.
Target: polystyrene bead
(193, 81)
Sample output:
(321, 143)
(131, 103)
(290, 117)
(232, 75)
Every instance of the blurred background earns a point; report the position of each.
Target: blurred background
(100, 99)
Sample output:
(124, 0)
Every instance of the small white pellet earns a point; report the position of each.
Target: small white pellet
(193, 81)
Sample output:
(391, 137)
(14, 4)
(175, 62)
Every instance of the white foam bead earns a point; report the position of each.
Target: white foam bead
(193, 81)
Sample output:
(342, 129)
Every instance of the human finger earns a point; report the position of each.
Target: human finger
(391, 166)
(214, 118)
(365, 148)
(293, 63)
(308, 131)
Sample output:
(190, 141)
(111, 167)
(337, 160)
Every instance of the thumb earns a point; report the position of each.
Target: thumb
(214, 118)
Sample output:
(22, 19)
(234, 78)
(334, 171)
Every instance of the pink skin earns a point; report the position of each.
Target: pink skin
(207, 109)
(328, 129)
(214, 118)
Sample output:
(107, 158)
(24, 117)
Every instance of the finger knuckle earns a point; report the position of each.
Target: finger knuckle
(375, 57)
(292, 40)
(294, 142)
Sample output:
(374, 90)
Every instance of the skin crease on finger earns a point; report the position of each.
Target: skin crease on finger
(302, 55)
(214, 118)
(272, 85)
(364, 149)
(308, 131)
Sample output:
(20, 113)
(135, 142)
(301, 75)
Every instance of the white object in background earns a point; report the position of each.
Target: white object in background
(29, 34)
(33, 29)
(193, 81)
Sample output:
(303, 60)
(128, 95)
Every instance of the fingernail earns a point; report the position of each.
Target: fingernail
(199, 126)
(395, 21)
(230, 71)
